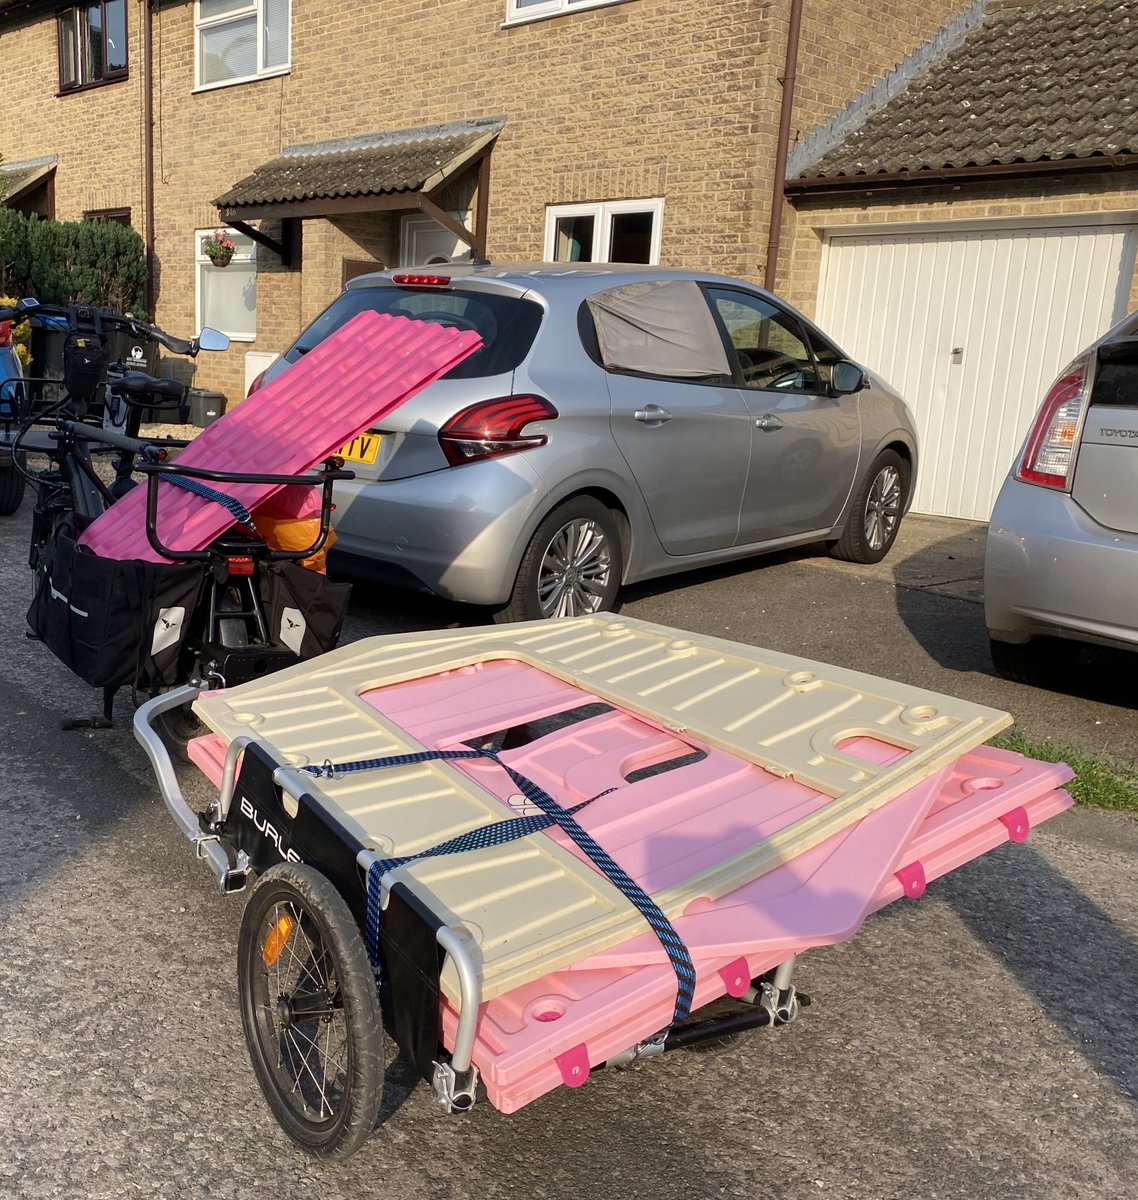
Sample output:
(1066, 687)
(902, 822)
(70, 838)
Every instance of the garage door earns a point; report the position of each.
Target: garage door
(971, 327)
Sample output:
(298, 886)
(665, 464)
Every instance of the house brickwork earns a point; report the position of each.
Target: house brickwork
(648, 98)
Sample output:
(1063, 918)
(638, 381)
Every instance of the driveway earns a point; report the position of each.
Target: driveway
(978, 1043)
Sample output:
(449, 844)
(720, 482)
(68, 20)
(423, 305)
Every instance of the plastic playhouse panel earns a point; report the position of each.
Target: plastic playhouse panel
(338, 389)
(774, 777)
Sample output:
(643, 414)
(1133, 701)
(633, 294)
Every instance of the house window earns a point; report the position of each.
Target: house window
(117, 216)
(620, 231)
(92, 44)
(532, 10)
(239, 40)
(227, 296)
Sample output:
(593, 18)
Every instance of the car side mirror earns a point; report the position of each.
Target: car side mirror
(847, 377)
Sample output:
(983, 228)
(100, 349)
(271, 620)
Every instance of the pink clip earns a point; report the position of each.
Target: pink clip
(574, 1066)
(912, 879)
(736, 977)
(1017, 824)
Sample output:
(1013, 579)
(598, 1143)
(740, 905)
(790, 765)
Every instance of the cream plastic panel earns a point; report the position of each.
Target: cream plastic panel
(533, 907)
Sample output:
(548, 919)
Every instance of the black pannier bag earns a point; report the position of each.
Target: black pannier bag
(113, 622)
(304, 610)
(83, 360)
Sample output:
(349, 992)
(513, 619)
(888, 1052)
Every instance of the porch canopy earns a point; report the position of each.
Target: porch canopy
(400, 170)
(30, 184)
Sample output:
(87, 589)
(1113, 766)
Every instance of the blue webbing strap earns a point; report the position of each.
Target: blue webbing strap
(507, 831)
(236, 509)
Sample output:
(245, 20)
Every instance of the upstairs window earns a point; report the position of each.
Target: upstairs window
(621, 231)
(92, 44)
(532, 10)
(239, 40)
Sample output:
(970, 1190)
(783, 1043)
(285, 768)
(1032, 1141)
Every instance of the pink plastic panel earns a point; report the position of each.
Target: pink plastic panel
(339, 389)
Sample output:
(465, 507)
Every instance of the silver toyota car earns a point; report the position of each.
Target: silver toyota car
(618, 423)
(1061, 561)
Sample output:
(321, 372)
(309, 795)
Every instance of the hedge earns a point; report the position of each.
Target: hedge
(58, 262)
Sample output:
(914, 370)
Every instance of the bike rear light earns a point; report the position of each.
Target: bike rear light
(421, 280)
(242, 565)
(492, 428)
(5, 333)
(258, 380)
(277, 939)
(1049, 455)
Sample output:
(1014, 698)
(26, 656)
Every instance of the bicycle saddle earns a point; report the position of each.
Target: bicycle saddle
(138, 383)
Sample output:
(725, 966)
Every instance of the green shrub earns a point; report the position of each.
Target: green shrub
(94, 262)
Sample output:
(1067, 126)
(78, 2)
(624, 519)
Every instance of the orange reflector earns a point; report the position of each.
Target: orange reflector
(276, 940)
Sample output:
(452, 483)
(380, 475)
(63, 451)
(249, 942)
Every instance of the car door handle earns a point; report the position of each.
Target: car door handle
(652, 415)
(768, 421)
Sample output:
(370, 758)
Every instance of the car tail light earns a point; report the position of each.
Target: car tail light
(494, 427)
(5, 333)
(1049, 455)
(421, 280)
(256, 383)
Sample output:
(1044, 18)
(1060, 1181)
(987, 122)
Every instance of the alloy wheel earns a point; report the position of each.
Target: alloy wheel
(575, 570)
(883, 508)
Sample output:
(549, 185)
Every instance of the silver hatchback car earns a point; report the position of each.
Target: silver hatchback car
(1061, 559)
(618, 423)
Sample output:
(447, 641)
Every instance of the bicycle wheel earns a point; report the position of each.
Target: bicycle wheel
(310, 1008)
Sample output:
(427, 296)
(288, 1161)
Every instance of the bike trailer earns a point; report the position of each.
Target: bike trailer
(552, 844)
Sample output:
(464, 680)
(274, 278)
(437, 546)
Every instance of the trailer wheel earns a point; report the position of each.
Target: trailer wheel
(310, 1007)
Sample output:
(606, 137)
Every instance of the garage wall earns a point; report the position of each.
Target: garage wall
(995, 385)
(972, 326)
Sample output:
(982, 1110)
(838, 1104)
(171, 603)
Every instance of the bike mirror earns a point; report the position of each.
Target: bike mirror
(212, 339)
(27, 303)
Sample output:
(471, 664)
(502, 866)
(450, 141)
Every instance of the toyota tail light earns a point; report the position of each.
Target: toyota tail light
(492, 428)
(1053, 443)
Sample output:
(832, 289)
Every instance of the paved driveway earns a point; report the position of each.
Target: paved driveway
(978, 1043)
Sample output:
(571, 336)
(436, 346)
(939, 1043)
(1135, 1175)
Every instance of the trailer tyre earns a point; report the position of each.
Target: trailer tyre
(310, 1008)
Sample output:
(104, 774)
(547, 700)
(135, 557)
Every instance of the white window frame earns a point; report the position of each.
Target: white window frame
(601, 212)
(521, 14)
(201, 260)
(252, 7)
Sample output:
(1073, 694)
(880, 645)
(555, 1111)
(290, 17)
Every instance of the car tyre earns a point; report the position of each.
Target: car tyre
(1042, 662)
(875, 511)
(12, 484)
(571, 567)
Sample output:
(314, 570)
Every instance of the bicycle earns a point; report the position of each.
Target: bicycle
(211, 616)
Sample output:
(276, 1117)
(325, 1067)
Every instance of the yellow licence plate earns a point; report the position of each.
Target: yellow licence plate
(362, 449)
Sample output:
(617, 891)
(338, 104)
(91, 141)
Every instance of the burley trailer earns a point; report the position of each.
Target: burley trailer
(532, 851)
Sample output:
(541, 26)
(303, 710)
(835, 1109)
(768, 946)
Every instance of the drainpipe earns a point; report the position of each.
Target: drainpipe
(148, 149)
(789, 71)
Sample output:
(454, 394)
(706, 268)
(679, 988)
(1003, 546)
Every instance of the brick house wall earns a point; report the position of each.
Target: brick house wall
(637, 100)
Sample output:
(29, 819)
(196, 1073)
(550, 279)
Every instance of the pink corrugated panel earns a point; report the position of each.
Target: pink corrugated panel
(339, 389)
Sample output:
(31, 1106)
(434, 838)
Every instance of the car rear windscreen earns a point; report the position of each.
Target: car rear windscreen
(1116, 381)
(506, 324)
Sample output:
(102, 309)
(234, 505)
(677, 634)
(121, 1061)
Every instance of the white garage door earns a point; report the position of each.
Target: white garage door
(971, 327)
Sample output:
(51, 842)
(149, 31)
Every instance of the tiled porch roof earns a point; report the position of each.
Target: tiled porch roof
(404, 160)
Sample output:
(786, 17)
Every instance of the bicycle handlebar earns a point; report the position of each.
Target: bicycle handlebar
(55, 312)
(109, 437)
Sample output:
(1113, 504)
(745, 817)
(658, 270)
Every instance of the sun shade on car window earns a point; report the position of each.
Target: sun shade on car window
(659, 327)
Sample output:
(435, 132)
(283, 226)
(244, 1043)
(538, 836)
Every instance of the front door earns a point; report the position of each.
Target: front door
(423, 242)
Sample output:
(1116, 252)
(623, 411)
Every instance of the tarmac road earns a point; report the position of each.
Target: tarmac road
(981, 1042)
